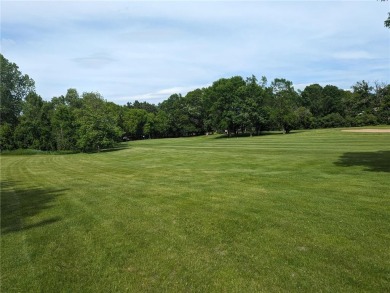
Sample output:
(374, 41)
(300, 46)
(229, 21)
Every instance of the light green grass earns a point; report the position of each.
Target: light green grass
(305, 212)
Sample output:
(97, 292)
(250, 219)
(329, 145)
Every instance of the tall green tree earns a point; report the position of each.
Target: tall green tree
(97, 126)
(64, 124)
(311, 98)
(332, 98)
(196, 111)
(149, 128)
(34, 129)
(177, 111)
(73, 99)
(64, 127)
(226, 107)
(363, 97)
(382, 108)
(304, 118)
(161, 124)
(64, 120)
(134, 121)
(14, 87)
(253, 115)
(322, 101)
(284, 104)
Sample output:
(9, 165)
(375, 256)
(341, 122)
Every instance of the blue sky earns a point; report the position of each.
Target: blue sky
(148, 50)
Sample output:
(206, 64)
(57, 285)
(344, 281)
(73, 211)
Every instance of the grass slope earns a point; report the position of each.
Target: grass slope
(305, 212)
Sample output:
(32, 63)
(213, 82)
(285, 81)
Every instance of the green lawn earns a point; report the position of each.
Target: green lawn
(304, 212)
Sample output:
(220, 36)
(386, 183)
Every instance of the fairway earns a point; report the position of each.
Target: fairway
(304, 212)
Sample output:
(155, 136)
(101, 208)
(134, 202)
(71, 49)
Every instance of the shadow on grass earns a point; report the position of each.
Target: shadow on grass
(31, 152)
(19, 204)
(373, 161)
(113, 149)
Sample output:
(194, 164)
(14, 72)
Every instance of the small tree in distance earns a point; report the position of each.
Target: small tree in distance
(387, 21)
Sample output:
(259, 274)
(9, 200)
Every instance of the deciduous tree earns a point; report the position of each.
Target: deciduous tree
(284, 104)
(97, 126)
(14, 87)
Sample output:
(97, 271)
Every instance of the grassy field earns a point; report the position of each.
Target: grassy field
(304, 212)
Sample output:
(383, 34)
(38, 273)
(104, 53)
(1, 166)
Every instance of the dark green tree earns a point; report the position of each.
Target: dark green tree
(312, 98)
(97, 126)
(196, 111)
(253, 115)
(134, 121)
(284, 104)
(177, 111)
(387, 21)
(149, 128)
(34, 129)
(161, 124)
(143, 105)
(72, 99)
(382, 108)
(332, 120)
(332, 100)
(64, 120)
(304, 118)
(363, 97)
(226, 107)
(14, 87)
(64, 127)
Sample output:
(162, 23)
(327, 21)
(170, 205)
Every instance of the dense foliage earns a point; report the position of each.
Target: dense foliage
(230, 105)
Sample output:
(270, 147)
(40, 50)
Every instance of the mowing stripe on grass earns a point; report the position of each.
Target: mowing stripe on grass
(276, 213)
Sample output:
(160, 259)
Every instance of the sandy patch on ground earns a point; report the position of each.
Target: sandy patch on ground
(367, 130)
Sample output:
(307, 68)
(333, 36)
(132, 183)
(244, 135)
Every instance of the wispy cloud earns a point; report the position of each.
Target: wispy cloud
(94, 61)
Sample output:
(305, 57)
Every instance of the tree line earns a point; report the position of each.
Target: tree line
(235, 105)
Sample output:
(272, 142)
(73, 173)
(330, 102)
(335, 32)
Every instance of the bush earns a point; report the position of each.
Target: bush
(363, 119)
(332, 120)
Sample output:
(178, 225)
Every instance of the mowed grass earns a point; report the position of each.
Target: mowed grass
(304, 212)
